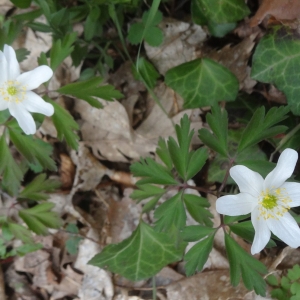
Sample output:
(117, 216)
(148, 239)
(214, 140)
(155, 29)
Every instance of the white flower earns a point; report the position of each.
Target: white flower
(15, 90)
(268, 200)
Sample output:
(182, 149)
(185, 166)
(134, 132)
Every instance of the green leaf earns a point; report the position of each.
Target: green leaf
(21, 3)
(152, 171)
(220, 30)
(294, 273)
(28, 248)
(146, 72)
(140, 256)
(20, 232)
(72, 244)
(197, 160)
(218, 122)
(247, 232)
(197, 256)
(10, 170)
(202, 82)
(262, 127)
(195, 233)
(197, 207)
(87, 90)
(164, 154)
(150, 204)
(277, 60)
(61, 49)
(226, 11)
(272, 280)
(170, 214)
(40, 217)
(231, 219)
(34, 150)
(146, 191)
(90, 26)
(34, 189)
(22, 54)
(64, 124)
(154, 36)
(241, 263)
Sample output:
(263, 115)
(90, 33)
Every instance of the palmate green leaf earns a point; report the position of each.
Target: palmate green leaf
(197, 256)
(146, 72)
(163, 152)
(152, 171)
(170, 214)
(34, 150)
(195, 233)
(243, 264)
(197, 160)
(61, 49)
(145, 191)
(34, 190)
(40, 217)
(218, 122)
(20, 232)
(87, 90)
(247, 231)
(10, 170)
(262, 126)
(140, 256)
(197, 207)
(64, 124)
(202, 82)
(277, 60)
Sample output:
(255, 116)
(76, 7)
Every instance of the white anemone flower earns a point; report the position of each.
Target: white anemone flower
(268, 200)
(15, 90)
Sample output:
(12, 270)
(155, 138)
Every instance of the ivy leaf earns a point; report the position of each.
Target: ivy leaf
(197, 256)
(202, 82)
(40, 217)
(140, 256)
(197, 207)
(282, 70)
(170, 214)
(218, 122)
(262, 126)
(241, 263)
(87, 90)
(10, 170)
(34, 189)
(152, 171)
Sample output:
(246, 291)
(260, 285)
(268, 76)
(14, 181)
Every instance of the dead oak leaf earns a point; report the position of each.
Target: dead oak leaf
(279, 9)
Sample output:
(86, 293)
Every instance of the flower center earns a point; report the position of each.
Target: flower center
(274, 204)
(269, 201)
(12, 91)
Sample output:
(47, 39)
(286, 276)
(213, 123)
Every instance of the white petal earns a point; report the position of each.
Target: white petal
(262, 232)
(248, 181)
(34, 103)
(293, 191)
(235, 205)
(286, 229)
(3, 104)
(283, 170)
(35, 78)
(3, 68)
(13, 64)
(24, 118)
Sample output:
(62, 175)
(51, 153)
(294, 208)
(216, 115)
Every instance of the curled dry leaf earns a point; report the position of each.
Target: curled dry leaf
(280, 9)
(67, 171)
(180, 42)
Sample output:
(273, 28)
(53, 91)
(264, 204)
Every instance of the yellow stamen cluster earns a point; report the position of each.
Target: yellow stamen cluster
(11, 91)
(274, 204)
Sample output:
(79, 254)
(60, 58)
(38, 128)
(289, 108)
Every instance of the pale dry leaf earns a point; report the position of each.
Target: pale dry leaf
(179, 46)
(5, 6)
(280, 9)
(67, 171)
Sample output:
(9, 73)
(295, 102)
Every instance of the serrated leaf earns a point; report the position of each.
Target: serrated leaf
(154, 36)
(87, 90)
(282, 46)
(146, 191)
(10, 170)
(197, 256)
(242, 264)
(164, 154)
(64, 124)
(170, 214)
(34, 150)
(294, 273)
(195, 233)
(197, 207)
(146, 72)
(34, 190)
(152, 172)
(197, 160)
(202, 82)
(227, 11)
(27, 248)
(40, 217)
(91, 24)
(140, 256)
(272, 280)
(20, 232)
(260, 126)
(150, 204)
